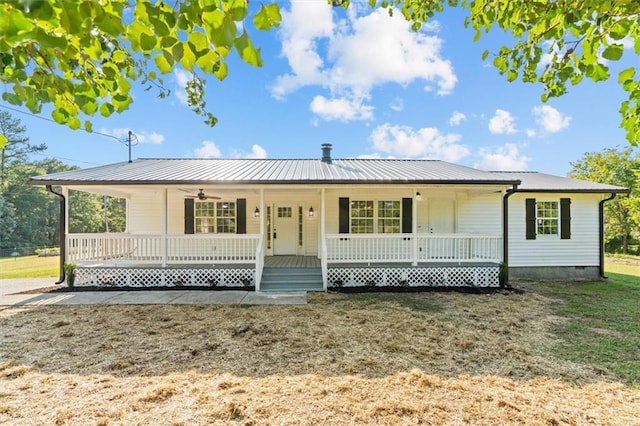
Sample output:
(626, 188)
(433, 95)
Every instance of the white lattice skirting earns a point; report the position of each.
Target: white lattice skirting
(435, 276)
(164, 277)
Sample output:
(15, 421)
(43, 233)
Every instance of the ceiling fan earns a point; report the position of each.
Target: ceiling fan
(202, 196)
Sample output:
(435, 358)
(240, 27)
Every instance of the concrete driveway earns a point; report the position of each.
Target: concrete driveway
(9, 288)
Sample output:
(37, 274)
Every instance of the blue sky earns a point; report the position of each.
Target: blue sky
(370, 86)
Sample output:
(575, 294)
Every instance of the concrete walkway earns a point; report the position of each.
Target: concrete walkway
(9, 288)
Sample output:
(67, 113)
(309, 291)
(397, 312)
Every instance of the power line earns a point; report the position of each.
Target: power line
(66, 159)
(52, 121)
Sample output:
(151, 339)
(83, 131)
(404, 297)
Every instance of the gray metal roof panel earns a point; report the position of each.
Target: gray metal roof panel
(541, 182)
(271, 171)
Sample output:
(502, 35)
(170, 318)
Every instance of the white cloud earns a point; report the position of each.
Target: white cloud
(506, 157)
(182, 77)
(397, 104)
(550, 119)
(139, 136)
(256, 152)
(351, 55)
(426, 142)
(531, 133)
(502, 123)
(342, 109)
(456, 118)
(208, 150)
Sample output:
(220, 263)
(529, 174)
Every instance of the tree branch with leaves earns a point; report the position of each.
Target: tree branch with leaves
(83, 57)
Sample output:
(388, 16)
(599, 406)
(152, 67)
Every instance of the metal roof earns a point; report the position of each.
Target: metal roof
(541, 182)
(274, 171)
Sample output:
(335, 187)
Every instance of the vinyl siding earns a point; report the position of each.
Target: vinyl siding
(145, 212)
(546, 250)
(480, 214)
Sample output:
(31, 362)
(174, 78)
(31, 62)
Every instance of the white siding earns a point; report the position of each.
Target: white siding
(582, 249)
(145, 212)
(480, 214)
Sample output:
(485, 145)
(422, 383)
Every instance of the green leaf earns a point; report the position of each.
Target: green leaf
(269, 16)
(485, 54)
(147, 42)
(247, 52)
(164, 66)
(238, 9)
(199, 41)
(58, 116)
(222, 71)
(626, 75)
(74, 123)
(219, 27)
(613, 52)
(118, 56)
(88, 127)
(3, 141)
(106, 109)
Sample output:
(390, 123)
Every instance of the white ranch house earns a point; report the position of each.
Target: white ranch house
(317, 224)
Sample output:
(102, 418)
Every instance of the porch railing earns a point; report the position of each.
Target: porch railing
(169, 249)
(398, 248)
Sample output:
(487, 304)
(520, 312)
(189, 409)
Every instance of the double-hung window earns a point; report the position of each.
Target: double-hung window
(368, 217)
(215, 217)
(547, 217)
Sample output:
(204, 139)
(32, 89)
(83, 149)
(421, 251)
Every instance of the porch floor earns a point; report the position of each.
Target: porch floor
(291, 262)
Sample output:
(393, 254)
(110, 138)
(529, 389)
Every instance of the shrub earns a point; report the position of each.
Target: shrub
(70, 272)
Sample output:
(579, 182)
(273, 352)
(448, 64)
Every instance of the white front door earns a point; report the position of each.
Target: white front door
(441, 216)
(285, 230)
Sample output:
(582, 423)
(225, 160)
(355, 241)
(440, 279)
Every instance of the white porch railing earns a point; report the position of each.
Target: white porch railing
(396, 248)
(159, 249)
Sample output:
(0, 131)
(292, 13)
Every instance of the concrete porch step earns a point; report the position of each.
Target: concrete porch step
(291, 279)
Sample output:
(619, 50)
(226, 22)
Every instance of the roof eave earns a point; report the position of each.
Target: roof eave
(272, 182)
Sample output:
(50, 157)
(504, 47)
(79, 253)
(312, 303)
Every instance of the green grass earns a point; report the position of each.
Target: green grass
(603, 327)
(29, 267)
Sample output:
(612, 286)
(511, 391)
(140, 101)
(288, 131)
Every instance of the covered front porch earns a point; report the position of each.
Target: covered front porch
(239, 261)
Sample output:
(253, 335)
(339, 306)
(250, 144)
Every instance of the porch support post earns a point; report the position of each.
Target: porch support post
(263, 216)
(323, 240)
(164, 227)
(414, 228)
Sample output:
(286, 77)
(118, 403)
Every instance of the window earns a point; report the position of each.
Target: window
(547, 218)
(384, 219)
(389, 217)
(218, 217)
(284, 212)
(300, 229)
(362, 217)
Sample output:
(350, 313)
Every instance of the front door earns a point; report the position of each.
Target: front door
(441, 215)
(285, 230)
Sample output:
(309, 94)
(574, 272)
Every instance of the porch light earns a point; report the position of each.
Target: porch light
(311, 212)
(256, 212)
(418, 196)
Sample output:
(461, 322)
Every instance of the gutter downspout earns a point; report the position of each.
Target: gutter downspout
(505, 229)
(63, 233)
(601, 232)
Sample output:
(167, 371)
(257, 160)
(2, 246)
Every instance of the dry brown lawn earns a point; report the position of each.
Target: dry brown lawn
(431, 358)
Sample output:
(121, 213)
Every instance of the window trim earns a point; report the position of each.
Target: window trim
(375, 219)
(215, 216)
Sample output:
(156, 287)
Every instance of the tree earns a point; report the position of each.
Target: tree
(17, 146)
(7, 217)
(620, 168)
(82, 57)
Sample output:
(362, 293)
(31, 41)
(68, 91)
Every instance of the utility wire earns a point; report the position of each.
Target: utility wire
(48, 119)
(66, 159)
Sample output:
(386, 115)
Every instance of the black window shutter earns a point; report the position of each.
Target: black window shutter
(565, 218)
(188, 216)
(241, 216)
(407, 215)
(343, 215)
(531, 218)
